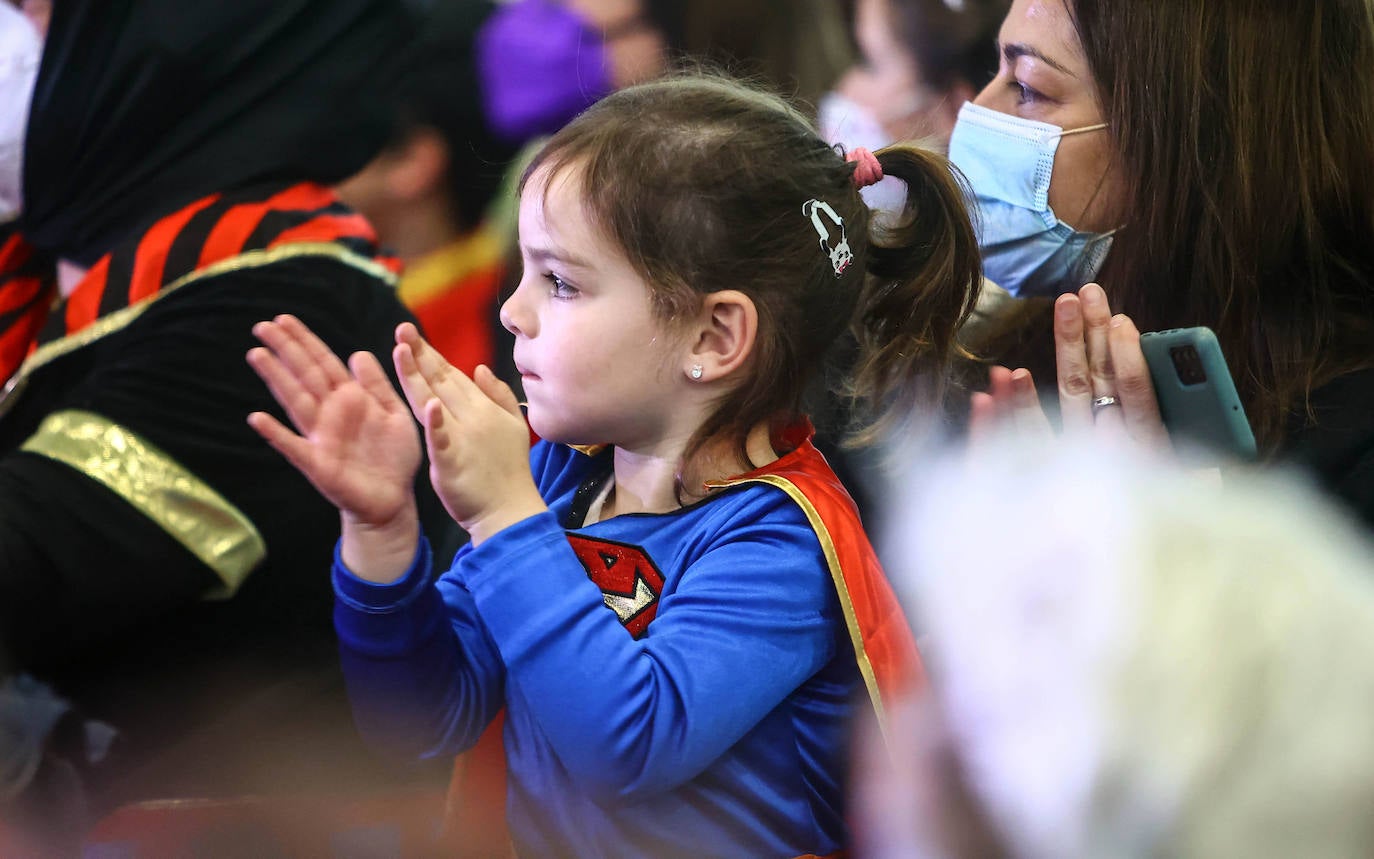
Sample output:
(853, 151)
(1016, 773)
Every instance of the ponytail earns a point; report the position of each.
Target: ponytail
(924, 273)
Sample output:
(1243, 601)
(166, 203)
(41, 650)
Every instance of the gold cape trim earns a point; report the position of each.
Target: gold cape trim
(121, 318)
(181, 504)
(832, 560)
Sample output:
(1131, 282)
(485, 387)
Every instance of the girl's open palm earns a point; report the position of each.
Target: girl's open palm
(354, 438)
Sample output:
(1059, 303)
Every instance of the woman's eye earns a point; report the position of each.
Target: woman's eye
(1024, 94)
(560, 288)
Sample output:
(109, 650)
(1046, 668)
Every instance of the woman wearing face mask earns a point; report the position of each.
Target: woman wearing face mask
(1209, 164)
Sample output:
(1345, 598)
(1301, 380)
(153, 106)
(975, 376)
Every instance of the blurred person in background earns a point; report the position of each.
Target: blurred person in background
(156, 559)
(1185, 671)
(919, 61)
(37, 11)
(637, 36)
(429, 192)
(795, 47)
(21, 49)
(485, 80)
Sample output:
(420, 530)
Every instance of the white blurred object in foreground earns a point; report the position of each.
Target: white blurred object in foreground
(1129, 661)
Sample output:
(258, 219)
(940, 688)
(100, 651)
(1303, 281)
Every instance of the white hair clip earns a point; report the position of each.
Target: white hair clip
(840, 255)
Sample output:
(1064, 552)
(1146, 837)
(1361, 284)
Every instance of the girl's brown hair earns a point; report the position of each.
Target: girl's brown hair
(1244, 129)
(702, 180)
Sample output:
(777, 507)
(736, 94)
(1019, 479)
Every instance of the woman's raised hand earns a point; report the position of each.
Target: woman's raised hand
(477, 438)
(354, 440)
(1104, 383)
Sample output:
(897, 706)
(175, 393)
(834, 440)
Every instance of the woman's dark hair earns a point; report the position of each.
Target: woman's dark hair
(702, 181)
(1244, 131)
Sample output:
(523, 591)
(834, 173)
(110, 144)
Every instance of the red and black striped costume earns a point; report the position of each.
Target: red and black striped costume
(158, 562)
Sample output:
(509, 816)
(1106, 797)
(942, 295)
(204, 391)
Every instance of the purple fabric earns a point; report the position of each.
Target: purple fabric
(540, 64)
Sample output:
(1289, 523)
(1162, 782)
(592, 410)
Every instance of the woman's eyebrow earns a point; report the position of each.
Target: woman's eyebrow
(1019, 49)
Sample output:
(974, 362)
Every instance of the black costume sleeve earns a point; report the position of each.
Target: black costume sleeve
(77, 562)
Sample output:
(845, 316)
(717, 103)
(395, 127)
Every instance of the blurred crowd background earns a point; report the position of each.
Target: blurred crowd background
(1127, 658)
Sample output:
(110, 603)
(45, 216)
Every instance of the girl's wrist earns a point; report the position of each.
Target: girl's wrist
(380, 552)
(508, 513)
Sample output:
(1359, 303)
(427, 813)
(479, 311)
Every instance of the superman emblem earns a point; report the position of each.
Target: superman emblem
(629, 581)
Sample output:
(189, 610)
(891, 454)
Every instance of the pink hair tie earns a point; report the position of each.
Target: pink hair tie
(867, 170)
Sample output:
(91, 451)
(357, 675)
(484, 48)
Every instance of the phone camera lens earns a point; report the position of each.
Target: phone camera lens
(1188, 365)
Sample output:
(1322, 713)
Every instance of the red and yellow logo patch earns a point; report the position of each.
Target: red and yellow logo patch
(630, 582)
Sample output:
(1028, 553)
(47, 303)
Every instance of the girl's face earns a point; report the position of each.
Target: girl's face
(597, 365)
(1043, 75)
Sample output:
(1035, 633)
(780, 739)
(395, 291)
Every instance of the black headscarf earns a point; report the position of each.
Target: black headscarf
(142, 106)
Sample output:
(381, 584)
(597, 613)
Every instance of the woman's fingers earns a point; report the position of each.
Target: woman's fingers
(1011, 399)
(1107, 413)
(1097, 320)
(1027, 411)
(1071, 363)
(1135, 389)
(1000, 387)
(983, 419)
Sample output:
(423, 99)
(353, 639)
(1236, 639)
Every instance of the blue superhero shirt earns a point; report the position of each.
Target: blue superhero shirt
(675, 684)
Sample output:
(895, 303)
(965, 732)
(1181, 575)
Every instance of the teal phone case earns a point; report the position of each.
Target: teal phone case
(1197, 397)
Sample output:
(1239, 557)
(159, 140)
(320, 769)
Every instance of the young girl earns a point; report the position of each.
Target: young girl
(677, 621)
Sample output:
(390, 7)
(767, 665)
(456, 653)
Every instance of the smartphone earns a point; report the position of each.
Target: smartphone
(1197, 397)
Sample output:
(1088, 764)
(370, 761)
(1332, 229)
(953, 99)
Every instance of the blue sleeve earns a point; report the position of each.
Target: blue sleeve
(423, 676)
(748, 623)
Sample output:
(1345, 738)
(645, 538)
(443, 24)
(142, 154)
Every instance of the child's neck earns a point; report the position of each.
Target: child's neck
(649, 482)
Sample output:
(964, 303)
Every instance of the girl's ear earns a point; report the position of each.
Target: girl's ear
(724, 340)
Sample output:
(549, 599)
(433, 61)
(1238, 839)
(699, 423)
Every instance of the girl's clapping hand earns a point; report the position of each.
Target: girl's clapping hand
(476, 435)
(354, 439)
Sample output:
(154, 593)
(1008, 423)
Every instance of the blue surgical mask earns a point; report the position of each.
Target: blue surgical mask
(1027, 250)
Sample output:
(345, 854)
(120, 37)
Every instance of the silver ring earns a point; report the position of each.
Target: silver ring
(1101, 403)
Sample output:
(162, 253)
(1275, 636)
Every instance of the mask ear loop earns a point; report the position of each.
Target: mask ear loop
(840, 255)
(1091, 243)
(1101, 180)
